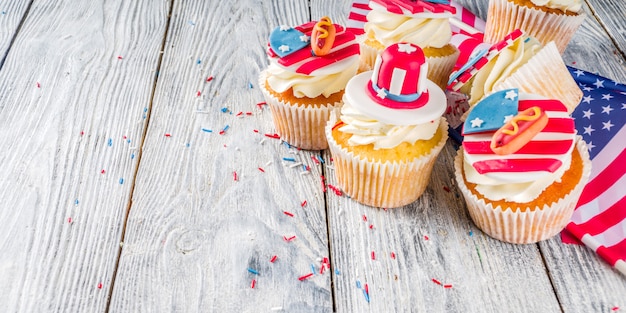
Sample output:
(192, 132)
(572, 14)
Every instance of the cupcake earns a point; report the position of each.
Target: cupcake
(518, 61)
(390, 130)
(422, 23)
(521, 168)
(546, 20)
(309, 68)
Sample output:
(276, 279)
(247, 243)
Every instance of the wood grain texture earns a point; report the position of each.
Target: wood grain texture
(611, 15)
(63, 77)
(12, 13)
(193, 231)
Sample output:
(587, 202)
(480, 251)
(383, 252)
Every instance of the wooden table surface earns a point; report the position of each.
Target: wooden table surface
(118, 192)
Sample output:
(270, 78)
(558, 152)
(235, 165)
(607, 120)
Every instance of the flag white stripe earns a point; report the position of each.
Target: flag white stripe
(607, 155)
(601, 203)
(612, 235)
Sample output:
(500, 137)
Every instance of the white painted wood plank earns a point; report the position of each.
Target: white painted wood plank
(193, 231)
(611, 14)
(12, 12)
(65, 94)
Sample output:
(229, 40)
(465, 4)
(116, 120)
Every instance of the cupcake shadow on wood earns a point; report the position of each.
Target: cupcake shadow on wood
(390, 130)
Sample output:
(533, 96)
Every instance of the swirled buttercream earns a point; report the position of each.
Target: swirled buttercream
(366, 130)
(424, 30)
(563, 5)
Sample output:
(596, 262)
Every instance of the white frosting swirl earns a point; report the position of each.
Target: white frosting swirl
(325, 81)
(563, 5)
(502, 66)
(366, 130)
(425, 30)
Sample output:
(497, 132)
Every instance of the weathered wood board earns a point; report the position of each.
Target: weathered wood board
(70, 110)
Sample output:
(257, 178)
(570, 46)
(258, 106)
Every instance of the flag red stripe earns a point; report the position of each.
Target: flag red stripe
(363, 6)
(559, 125)
(605, 179)
(599, 223)
(517, 165)
(357, 17)
(317, 63)
(533, 147)
(355, 30)
(614, 253)
(468, 17)
(546, 105)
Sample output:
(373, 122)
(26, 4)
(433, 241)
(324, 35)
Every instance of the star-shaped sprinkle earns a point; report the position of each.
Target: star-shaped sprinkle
(284, 28)
(381, 93)
(477, 122)
(588, 130)
(588, 114)
(283, 48)
(607, 109)
(304, 38)
(607, 125)
(511, 94)
(406, 48)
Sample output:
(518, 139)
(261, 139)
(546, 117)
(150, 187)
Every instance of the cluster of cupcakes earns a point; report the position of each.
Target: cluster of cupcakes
(377, 103)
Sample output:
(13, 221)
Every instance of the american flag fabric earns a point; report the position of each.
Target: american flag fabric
(599, 220)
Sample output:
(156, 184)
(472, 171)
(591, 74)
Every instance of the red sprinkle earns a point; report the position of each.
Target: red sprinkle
(262, 170)
(436, 281)
(615, 308)
(371, 226)
(290, 238)
(335, 189)
(303, 203)
(256, 130)
(288, 213)
(446, 188)
(210, 78)
(447, 286)
(261, 104)
(119, 57)
(198, 93)
(275, 136)
(393, 255)
(235, 176)
(315, 159)
(373, 256)
(322, 268)
(99, 285)
(323, 183)
(82, 133)
(38, 85)
(69, 220)
(301, 278)
(102, 171)
(426, 237)
(168, 135)
(273, 259)
(253, 283)
(367, 289)
(248, 113)
(222, 132)
(240, 113)
(364, 218)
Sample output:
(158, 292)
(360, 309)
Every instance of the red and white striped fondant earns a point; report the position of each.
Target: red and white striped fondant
(544, 154)
(304, 62)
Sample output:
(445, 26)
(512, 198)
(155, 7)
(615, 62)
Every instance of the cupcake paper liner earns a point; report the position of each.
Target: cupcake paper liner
(511, 224)
(504, 16)
(378, 184)
(299, 125)
(545, 74)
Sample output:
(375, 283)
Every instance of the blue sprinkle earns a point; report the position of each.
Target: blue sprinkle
(471, 233)
(337, 272)
(192, 23)
(206, 130)
(224, 110)
(121, 181)
(358, 284)
(313, 269)
(287, 144)
(132, 156)
(319, 158)
(145, 109)
(198, 61)
(304, 167)
(289, 159)
(188, 145)
(144, 116)
(250, 85)
(76, 202)
(128, 141)
(226, 127)
(110, 142)
(367, 297)
(253, 271)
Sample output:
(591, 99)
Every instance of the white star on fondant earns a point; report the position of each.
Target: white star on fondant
(304, 38)
(283, 48)
(588, 114)
(477, 122)
(511, 94)
(406, 48)
(607, 125)
(507, 118)
(284, 28)
(381, 93)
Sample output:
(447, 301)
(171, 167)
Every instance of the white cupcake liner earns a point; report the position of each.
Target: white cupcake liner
(511, 224)
(368, 54)
(504, 16)
(378, 184)
(299, 125)
(545, 74)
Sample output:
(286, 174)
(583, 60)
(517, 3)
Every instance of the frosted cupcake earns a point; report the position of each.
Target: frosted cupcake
(422, 23)
(309, 68)
(518, 61)
(390, 131)
(521, 168)
(546, 20)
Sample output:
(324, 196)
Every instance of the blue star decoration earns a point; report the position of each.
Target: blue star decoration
(491, 113)
(285, 40)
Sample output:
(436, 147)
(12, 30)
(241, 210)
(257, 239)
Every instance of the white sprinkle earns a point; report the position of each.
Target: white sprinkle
(262, 141)
(269, 162)
(293, 152)
(304, 172)
(330, 167)
(295, 164)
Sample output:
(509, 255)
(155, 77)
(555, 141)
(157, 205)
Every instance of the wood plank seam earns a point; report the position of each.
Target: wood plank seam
(17, 31)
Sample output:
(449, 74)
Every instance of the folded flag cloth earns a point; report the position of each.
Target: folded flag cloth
(599, 220)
